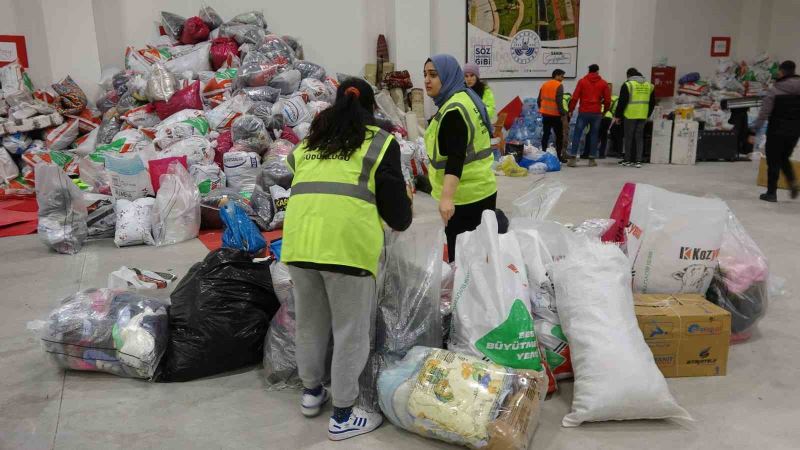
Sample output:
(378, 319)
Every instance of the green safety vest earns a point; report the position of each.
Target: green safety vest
(332, 217)
(565, 101)
(614, 100)
(477, 179)
(639, 99)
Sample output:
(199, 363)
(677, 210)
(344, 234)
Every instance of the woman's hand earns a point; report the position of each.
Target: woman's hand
(446, 209)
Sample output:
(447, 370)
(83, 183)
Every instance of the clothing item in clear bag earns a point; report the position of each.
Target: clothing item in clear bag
(210, 17)
(176, 213)
(595, 305)
(309, 69)
(219, 316)
(173, 24)
(274, 171)
(101, 218)
(161, 83)
(296, 46)
(276, 49)
(287, 82)
(107, 330)
(251, 18)
(462, 399)
(740, 281)
(250, 131)
(211, 204)
(62, 212)
(280, 365)
(262, 93)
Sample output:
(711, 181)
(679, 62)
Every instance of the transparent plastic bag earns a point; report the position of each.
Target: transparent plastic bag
(134, 222)
(293, 109)
(161, 83)
(280, 365)
(462, 399)
(594, 228)
(539, 200)
(274, 171)
(211, 203)
(287, 82)
(310, 70)
(107, 330)
(296, 46)
(251, 18)
(740, 283)
(240, 232)
(262, 93)
(101, 219)
(255, 74)
(210, 17)
(250, 131)
(176, 213)
(276, 49)
(242, 33)
(62, 212)
(173, 24)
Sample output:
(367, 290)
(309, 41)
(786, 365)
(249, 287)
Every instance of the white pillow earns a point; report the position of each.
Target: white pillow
(616, 377)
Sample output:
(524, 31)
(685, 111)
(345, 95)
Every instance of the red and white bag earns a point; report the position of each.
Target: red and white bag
(62, 136)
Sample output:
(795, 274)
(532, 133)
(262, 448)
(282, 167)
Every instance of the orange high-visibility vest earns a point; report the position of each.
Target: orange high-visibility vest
(547, 95)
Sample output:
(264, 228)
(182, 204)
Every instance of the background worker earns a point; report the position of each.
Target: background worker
(637, 99)
(781, 106)
(347, 178)
(594, 96)
(565, 121)
(605, 124)
(551, 107)
(458, 141)
(472, 76)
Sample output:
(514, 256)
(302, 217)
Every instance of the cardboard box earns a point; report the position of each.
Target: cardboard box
(782, 183)
(688, 335)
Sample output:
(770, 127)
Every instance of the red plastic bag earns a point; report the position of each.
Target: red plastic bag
(224, 144)
(221, 49)
(289, 135)
(194, 31)
(621, 214)
(159, 167)
(186, 98)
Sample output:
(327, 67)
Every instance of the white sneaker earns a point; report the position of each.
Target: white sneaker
(310, 405)
(360, 422)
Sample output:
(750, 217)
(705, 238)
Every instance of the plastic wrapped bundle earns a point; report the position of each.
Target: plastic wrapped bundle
(280, 365)
(740, 281)
(250, 131)
(251, 18)
(242, 33)
(310, 70)
(253, 74)
(287, 82)
(210, 17)
(276, 49)
(207, 177)
(296, 46)
(62, 212)
(101, 218)
(173, 24)
(194, 30)
(262, 110)
(219, 316)
(262, 93)
(176, 213)
(72, 99)
(274, 171)
(293, 109)
(108, 330)
(212, 202)
(462, 400)
(223, 51)
(108, 129)
(161, 84)
(315, 89)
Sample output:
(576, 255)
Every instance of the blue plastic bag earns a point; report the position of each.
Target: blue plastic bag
(275, 247)
(240, 231)
(550, 160)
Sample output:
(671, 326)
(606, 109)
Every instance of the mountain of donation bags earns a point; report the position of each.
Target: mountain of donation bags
(209, 109)
(464, 353)
(195, 132)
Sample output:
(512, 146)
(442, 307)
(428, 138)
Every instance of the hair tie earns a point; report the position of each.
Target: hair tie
(353, 90)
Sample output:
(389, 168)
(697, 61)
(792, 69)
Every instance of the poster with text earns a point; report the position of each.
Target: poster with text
(523, 38)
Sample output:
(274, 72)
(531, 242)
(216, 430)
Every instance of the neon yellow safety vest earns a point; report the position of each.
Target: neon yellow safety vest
(614, 100)
(477, 179)
(488, 101)
(638, 106)
(565, 100)
(332, 217)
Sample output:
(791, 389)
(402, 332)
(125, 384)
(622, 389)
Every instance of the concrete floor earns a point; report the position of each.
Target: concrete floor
(754, 406)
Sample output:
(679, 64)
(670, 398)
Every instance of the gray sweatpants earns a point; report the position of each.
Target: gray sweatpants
(345, 304)
(634, 136)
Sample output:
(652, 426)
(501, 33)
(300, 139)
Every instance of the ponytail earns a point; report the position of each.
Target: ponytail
(340, 130)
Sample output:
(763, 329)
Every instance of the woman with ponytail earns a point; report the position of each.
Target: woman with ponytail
(347, 180)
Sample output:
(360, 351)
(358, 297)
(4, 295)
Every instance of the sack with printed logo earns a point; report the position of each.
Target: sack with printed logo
(242, 170)
(673, 240)
(492, 312)
(280, 199)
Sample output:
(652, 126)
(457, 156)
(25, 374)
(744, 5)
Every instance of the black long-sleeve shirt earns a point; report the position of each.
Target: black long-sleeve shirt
(452, 142)
(392, 201)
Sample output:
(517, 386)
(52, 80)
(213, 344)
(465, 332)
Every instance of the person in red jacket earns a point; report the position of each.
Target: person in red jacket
(594, 96)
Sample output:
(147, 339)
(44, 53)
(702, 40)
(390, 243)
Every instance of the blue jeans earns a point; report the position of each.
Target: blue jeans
(593, 121)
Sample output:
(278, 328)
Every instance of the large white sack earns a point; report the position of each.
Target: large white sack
(134, 222)
(241, 170)
(176, 213)
(492, 312)
(673, 240)
(616, 377)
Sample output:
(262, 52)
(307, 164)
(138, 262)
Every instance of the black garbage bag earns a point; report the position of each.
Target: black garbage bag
(219, 316)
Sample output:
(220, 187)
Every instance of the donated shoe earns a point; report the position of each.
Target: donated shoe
(360, 422)
(637, 165)
(772, 198)
(571, 162)
(310, 405)
(592, 162)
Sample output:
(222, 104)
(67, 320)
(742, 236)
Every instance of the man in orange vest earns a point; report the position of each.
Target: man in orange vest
(551, 107)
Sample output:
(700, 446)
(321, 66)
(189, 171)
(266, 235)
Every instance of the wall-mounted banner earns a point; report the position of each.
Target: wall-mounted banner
(523, 38)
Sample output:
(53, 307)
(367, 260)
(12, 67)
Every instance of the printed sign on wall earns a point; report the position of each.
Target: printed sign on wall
(12, 48)
(523, 38)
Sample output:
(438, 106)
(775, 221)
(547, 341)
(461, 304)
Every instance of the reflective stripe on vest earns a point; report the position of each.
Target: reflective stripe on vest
(638, 106)
(471, 155)
(477, 179)
(548, 95)
(361, 190)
